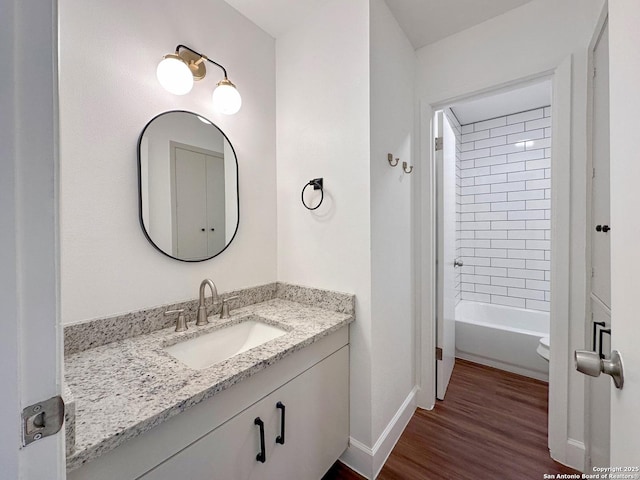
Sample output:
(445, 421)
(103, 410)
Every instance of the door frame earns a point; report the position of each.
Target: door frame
(561, 446)
(31, 343)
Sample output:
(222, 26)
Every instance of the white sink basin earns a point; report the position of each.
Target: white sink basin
(211, 348)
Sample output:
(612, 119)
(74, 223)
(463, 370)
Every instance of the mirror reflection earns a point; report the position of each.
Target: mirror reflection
(188, 184)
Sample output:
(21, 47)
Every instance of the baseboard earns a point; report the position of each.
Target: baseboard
(574, 455)
(369, 461)
(503, 366)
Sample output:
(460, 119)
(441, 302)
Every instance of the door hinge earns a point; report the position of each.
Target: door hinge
(438, 353)
(42, 420)
(439, 143)
(594, 72)
(593, 272)
(593, 173)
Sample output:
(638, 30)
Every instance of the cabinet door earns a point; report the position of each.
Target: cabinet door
(316, 432)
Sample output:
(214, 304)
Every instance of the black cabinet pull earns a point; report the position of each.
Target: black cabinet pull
(603, 228)
(280, 438)
(262, 456)
(595, 331)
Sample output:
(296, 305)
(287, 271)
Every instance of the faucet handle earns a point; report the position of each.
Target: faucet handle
(181, 322)
(224, 311)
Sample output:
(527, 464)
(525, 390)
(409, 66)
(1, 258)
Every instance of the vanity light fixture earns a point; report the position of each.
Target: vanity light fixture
(177, 71)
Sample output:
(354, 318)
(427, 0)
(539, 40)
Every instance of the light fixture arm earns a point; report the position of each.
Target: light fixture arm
(202, 57)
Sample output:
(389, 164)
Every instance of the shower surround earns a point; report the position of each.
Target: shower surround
(504, 167)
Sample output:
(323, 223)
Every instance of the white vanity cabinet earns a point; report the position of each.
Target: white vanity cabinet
(315, 433)
(218, 439)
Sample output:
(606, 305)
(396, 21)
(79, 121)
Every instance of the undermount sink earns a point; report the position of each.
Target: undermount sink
(208, 349)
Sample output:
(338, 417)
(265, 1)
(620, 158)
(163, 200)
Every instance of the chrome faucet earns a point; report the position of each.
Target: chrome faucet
(202, 309)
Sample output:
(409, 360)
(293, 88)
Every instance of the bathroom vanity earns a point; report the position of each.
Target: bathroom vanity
(278, 410)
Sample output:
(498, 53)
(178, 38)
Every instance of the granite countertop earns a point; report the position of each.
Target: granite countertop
(125, 388)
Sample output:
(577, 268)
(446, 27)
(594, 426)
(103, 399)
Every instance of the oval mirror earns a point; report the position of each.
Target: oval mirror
(188, 186)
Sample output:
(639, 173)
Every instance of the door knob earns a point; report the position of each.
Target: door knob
(591, 364)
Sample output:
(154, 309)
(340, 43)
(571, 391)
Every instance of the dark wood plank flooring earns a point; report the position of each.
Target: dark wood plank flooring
(491, 425)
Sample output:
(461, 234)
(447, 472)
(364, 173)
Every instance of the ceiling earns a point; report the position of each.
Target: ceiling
(516, 100)
(423, 21)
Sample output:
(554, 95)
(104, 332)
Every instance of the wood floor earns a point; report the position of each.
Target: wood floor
(491, 425)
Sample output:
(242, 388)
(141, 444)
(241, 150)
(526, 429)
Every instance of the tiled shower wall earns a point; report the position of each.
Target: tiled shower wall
(504, 210)
(457, 130)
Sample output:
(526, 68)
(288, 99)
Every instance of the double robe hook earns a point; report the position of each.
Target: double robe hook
(407, 169)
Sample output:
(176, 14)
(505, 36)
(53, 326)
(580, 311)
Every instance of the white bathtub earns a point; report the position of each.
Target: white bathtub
(502, 337)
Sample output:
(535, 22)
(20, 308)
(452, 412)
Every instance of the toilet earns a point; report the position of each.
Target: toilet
(543, 348)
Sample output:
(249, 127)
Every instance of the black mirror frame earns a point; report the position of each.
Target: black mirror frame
(144, 230)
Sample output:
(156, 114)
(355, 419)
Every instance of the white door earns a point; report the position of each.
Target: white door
(624, 78)
(446, 239)
(30, 342)
(599, 388)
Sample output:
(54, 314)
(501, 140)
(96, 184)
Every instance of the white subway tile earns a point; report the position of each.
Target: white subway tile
(526, 254)
(547, 234)
(487, 161)
(525, 136)
(526, 195)
(476, 261)
(547, 296)
(507, 244)
(547, 111)
(530, 175)
(475, 225)
(547, 193)
(467, 234)
(476, 297)
(516, 128)
(509, 225)
(536, 164)
(526, 234)
(538, 305)
(508, 282)
(491, 142)
(467, 243)
(476, 279)
(525, 273)
(508, 263)
(475, 207)
(502, 149)
(547, 132)
(508, 167)
(523, 156)
(547, 255)
(492, 289)
(539, 245)
(538, 184)
(475, 189)
(537, 144)
(499, 206)
(538, 264)
(484, 216)
(487, 124)
(538, 204)
(509, 301)
(540, 123)
(500, 272)
(472, 137)
(492, 234)
(491, 197)
(507, 187)
(491, 252)
(474, 172)
(466, 128)
(539, 285)
(467, 287)
(467, 217)
(526, 215)
(470, 155)
(487, 179)
(466, 199)
(547, 173)
(466, 164)
(467, 269)
(538, 224)
(525, 293)
(547, 153)
(466, 182)
(547, 276)
(465, 147)
(469, 252)
(525, 116)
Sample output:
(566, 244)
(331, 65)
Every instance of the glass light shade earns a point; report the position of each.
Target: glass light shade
(174, 75)
(226, 98)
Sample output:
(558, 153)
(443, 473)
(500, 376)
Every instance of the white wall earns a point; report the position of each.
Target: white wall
(108, 92)
(392, 68)
(323, 131)
(525, 41)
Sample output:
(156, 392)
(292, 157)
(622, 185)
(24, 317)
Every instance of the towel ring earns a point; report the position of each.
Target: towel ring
(317, 185)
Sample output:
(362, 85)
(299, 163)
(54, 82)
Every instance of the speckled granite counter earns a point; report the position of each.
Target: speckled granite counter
(125, 388)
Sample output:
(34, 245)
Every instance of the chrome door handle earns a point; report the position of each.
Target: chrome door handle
(591, 364)
(458, 263)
